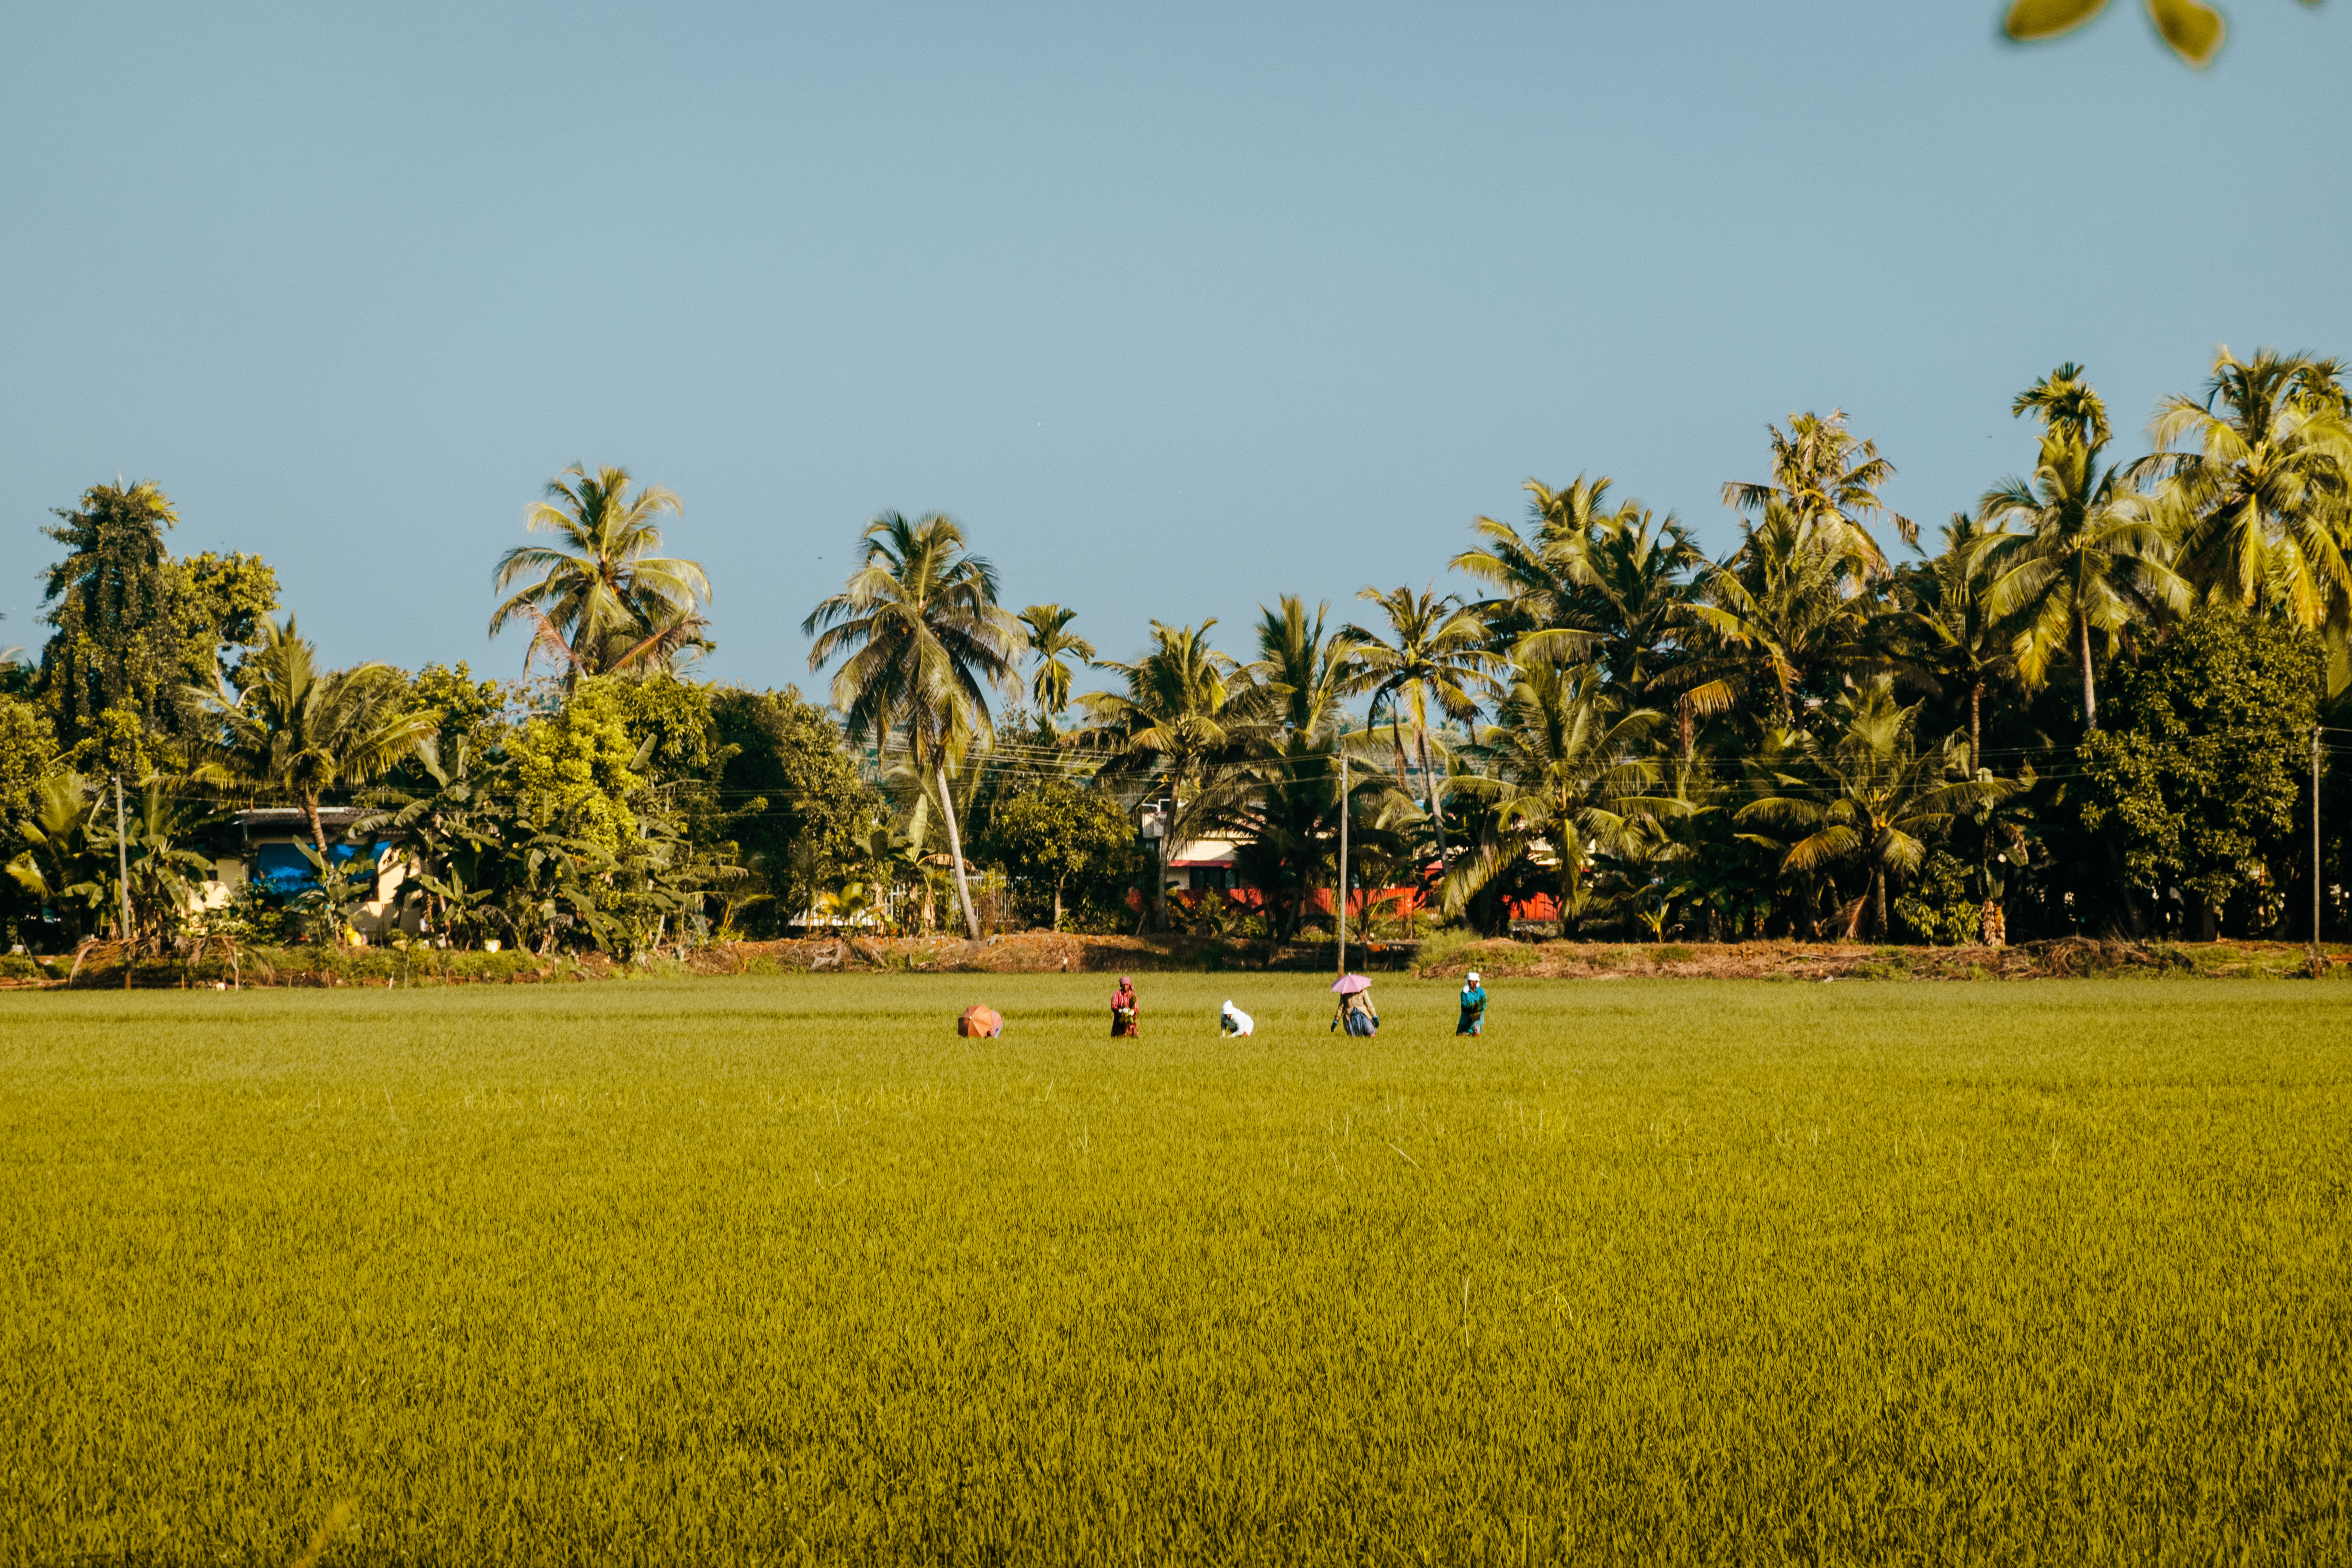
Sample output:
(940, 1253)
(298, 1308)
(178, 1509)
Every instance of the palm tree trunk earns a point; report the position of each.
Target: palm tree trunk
(311, 817)
(1058, 882)
(1429, 787)
(1975, 728)
(2090, 694)
(955, 849)
(1878, 896)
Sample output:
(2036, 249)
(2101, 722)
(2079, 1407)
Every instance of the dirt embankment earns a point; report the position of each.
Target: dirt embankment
(1045, 952)
(1034, 952)
(2066, 957)
(1049, 953)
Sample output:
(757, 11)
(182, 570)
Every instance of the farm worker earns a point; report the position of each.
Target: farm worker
(1234, 1021)
(1474, 1007)
(980, 1023)
(1356, 1013)
(1122, 1011)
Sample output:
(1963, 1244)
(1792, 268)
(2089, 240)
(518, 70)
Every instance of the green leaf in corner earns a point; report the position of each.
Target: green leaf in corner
(2194, 31)
(2048, 18)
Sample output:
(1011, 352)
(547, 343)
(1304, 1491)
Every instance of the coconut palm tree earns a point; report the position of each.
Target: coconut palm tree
(1572, 779)
(1282, 802)
(1942, 631)
(1184, 720)
(2264, 492)
(921, 639)
(1874, 798)
(1539, 578)
(1828, 483)
(1049, 640)
(303, 732)
(1639, 572)
(2091, 552)
(1781, 614)
(1438, 656)
(607, 592)
(1181, 718)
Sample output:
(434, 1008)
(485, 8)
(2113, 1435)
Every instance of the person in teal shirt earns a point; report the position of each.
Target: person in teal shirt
(1474, 1007)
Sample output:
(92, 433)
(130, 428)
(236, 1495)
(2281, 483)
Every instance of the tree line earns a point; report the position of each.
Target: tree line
(2097, 699)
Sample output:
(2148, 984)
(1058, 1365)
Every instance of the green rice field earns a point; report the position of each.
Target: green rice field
(780, 1271)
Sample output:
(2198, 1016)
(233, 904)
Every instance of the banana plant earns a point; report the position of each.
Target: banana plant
(63, 866)
(343, 887)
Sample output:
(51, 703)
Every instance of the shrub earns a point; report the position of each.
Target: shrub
(1937, 907)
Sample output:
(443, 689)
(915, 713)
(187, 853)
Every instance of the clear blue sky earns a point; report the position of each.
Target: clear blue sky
(1177, 308)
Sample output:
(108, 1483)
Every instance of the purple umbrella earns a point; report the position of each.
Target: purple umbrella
(1348, 984)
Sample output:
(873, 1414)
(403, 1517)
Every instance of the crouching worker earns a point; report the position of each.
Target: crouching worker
(1232, 1021)
(1123, 1012)
(1355, 1014)
(979, 1022)
(1474, 1007)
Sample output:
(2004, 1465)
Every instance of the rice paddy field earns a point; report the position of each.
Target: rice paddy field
(780, 1271)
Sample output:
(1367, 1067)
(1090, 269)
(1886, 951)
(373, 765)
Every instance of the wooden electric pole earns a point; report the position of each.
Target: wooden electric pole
(1343, 862)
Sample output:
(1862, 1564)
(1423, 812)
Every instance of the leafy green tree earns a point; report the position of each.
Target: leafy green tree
(2201, 778)
(29, 753)
(1050, 641)
(302, 732)
(463, 709)
(808, 813)
(602, 601)
(132, 629)
(228, 599)
(1937, 906)
(2091, 557)
(576, 768)
(114, 603)
(921, 638)
(1056, 831)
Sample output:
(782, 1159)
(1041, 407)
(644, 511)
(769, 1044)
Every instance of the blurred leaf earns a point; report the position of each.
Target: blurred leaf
(2048, 18)
(2194, 31)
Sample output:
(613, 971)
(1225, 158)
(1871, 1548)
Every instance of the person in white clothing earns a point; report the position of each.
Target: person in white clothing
(1234, 1021)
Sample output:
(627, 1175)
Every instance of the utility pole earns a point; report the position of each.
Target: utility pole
(2315, 838)
(121, 857)
(122, 875)
(1343, 861)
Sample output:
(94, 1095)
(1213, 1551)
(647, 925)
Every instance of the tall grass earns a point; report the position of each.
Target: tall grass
(783, 1270)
